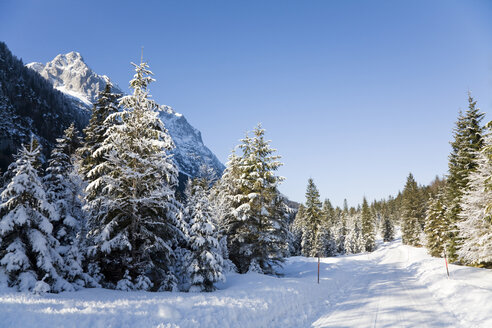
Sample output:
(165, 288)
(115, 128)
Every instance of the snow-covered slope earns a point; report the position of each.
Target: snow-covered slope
(70, 74)
(396, 286)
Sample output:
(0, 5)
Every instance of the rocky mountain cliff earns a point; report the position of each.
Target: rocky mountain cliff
(69, 74)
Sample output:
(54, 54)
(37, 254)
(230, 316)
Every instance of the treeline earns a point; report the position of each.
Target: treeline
(106, 211)
(319, 229)
(452, 216)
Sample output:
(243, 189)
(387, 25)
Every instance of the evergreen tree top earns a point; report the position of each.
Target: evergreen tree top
(365, 204)
(468, 140)
(345, 206)
(140, 82)
(257, 165)
(70, 141)
(468, 130)
(312, 195)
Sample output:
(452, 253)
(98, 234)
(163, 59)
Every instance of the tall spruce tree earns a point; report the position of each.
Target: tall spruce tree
(64, 191)
(354, 241)
(368, 227)
(487, 150)
(475, 227)
(324, 243)
(387, 225)
(342, 230)
(92, 157)
(388, 229)
(222, 206)
(435, 226)
(465, 146)
(256, 227)
(328, 212)
(413, 213)
(28, 250)
(206, 262)
(135, 220)
(94, 133)
(297, 229)
(312, 219)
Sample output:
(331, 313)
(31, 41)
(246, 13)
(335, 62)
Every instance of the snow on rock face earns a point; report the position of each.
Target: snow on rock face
(70, 74)
(190, 152)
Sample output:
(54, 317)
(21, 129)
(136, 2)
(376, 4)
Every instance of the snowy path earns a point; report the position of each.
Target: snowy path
(384, 294)
(396, 286)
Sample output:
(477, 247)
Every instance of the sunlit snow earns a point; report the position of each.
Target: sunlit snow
(396, 286)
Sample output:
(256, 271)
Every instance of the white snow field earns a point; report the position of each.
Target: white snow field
(396, 286)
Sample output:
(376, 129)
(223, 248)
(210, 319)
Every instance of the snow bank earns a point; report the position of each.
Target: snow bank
(467, 293)
(250, 300)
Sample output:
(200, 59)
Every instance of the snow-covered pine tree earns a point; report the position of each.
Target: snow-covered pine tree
(435, 226)
(28, 250)
(354, 241)
(395, 208)
(2, 183)
(388, 227)
(292, 243)
(135, 219)
(91, 164)
(37, 163)
(222, 205)
(297, 228)
(279, 236)
(64, 191)
(342, 230)
(220, 191)
(328, 212)
(324, 244)
(206, 262)
(255, 229)
(465, 146)
(312, 219)
(475, 229)
(487, 150)
(413, 213)
(368, 227)
(377, 209)
(94, 133)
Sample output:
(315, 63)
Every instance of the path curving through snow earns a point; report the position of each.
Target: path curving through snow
(385, 294)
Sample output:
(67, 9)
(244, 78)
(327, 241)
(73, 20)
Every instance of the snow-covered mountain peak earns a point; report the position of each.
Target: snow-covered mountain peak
(71, 58)
(70, 74)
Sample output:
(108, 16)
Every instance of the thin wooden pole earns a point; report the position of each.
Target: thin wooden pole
(446, 261)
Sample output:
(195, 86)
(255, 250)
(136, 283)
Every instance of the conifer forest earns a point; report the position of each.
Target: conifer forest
(106, 210)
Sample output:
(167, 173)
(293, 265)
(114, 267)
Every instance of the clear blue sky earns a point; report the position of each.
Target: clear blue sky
(355, 94)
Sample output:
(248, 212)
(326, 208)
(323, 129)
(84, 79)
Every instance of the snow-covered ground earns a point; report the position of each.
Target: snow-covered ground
(396, 286)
